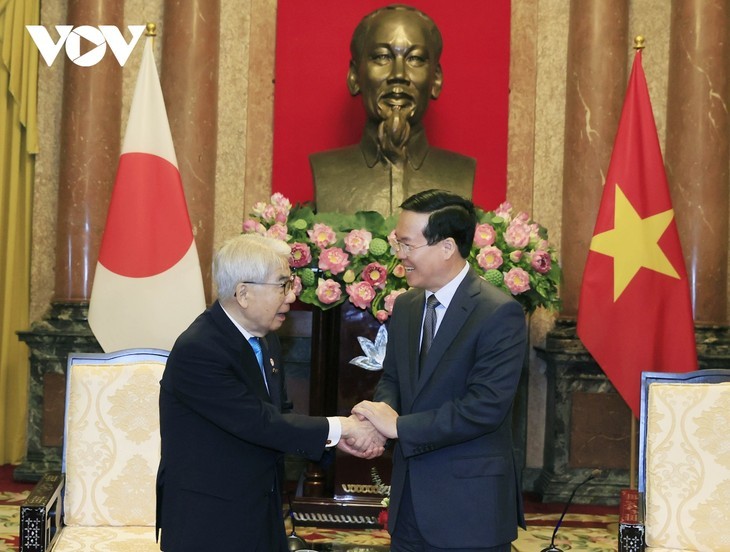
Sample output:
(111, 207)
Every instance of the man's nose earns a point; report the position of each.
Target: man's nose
(290, 297)
(398, 72)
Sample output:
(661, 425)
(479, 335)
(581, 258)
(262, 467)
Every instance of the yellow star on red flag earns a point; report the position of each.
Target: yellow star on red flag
(634, 243)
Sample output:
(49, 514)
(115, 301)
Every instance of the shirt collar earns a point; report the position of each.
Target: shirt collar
(447, 292)
(241, 329)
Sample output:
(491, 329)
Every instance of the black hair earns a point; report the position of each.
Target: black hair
(451, 216)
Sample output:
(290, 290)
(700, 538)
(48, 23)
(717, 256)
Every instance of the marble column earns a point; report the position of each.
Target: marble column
(598, 48)
(577, 389)
(89, 155)
(90, 144)
(190, 41)
(698, 148)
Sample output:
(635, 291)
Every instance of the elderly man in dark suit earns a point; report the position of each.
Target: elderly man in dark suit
(455, 350)
(223, 422)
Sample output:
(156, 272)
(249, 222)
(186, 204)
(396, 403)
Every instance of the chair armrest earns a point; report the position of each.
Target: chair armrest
(631, 521)
(40, 514)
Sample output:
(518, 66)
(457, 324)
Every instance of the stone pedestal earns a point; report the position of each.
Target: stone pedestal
(65, 329)
(587, 424)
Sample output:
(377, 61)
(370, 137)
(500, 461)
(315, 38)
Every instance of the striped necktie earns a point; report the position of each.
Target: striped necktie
(429, 328)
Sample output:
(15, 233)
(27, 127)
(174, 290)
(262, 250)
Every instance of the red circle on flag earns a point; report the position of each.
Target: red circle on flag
(148, 228)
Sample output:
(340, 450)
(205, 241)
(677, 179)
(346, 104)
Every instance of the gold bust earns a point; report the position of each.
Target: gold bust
(394, 65)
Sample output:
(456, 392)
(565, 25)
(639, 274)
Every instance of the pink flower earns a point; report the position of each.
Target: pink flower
(297, 287)
(517, 234)
(278, 231)
(333, 259)
(540, 261)
(390, 299)
(328, 291)
(269, 213)
(490, 257)
(382, 316)
(515, 256)
(361, 294)
(251, 226)
(523, 217)
(300, 255)
(484, 235)
(375, 274)
(258, 208)
(281, 201)
(517, 280)
(358, 241)
(535, 231)
(399, 271)
(322, 235)
(504, 211)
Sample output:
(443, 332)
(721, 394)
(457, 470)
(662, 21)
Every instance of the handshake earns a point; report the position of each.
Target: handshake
(364, 433)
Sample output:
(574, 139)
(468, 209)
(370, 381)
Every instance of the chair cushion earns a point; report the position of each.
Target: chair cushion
(112, 444)
(107, 539)
(688, 466)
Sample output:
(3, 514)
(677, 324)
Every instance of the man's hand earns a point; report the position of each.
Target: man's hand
(382, 416)
(360, 438)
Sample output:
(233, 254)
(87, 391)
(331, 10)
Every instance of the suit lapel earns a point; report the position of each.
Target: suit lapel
(415, 321)
(248, 366)
(461, 306)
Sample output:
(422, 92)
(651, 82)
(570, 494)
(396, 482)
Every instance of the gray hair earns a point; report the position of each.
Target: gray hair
(250, 258)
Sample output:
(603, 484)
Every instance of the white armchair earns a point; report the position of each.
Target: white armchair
(111, 451)
(684, 460)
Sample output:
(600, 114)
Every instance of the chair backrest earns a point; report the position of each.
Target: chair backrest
(684, 459)
(111, 446)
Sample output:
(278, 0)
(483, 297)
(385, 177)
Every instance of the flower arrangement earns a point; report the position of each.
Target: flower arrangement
(337, 257)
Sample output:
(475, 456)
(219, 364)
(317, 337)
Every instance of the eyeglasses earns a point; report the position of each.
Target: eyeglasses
(286, 286)
(400, 247)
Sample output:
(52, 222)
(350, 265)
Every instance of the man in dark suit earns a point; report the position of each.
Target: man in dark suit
(454, 483)
(223, 418)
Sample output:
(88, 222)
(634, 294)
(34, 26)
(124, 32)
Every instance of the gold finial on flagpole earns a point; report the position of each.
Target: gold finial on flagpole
(151, 31)
(639, 42)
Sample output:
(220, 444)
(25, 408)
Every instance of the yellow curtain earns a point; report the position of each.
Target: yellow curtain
(18, 144)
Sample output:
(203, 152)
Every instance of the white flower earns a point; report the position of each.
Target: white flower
(374, 351)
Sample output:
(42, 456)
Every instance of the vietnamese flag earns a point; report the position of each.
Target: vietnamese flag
(635, 312)
(148, 286)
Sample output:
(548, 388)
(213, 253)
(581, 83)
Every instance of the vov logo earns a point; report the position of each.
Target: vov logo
(100, 37)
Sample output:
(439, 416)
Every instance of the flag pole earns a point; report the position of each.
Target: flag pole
(151, 31)
(633, 462)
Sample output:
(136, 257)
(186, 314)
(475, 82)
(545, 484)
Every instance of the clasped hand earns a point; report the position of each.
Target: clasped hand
(364, 433)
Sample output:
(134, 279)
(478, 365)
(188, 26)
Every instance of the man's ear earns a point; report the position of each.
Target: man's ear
(352, 83)
(450, 248)
(438, 81)
(241, 296)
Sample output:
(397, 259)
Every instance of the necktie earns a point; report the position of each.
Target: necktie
(429, 328)
(256, 346)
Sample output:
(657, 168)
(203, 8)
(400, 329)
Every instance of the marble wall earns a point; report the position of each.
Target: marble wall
(245, 115)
